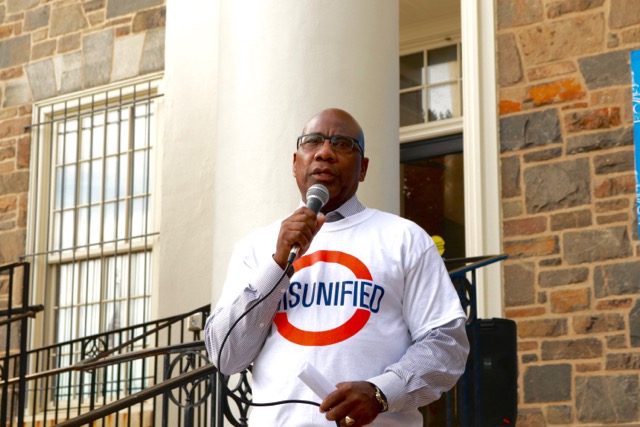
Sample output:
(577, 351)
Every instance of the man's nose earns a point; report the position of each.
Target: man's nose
(326, 150)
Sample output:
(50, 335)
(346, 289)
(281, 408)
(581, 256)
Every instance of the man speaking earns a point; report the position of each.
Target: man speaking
(368, 302)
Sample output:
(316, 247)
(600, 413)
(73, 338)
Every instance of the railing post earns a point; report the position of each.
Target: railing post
(22, 384)
(188, 407)
(7, 354)
(220, 397)
(188, 415)
(165, 395)
(214, 397)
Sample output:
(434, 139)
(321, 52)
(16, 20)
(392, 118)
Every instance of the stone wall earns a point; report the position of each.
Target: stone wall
(49, 48)
(572, 280)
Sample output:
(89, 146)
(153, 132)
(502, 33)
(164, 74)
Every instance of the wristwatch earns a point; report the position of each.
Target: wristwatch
(382, 399)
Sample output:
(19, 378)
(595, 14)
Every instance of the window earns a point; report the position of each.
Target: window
(430, 85)
(92, 230)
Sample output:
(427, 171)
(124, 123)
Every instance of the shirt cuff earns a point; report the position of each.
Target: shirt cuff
(392, 387)
(267, 277)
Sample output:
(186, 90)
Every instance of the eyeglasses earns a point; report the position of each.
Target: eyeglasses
(312, 142)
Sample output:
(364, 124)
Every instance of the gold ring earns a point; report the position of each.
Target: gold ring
(348, 421)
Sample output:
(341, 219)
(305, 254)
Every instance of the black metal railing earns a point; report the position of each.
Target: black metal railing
(192, 393)
(188, 392)
(14, 316)
(183, 399)
(67, 379)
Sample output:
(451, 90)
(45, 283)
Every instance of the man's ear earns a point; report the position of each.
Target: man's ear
(364, 164)
(293, 165)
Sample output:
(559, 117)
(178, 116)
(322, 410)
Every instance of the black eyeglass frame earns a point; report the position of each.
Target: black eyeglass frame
(332, 140)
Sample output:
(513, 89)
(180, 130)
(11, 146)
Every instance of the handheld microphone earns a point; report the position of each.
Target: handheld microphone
(317, 197)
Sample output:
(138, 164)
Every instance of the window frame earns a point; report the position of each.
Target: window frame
(442, 127)
(45, 268)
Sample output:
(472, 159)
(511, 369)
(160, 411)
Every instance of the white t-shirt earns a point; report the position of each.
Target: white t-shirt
(369, 286)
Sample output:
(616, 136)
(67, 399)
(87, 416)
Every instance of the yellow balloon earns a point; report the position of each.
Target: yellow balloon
(439, 241)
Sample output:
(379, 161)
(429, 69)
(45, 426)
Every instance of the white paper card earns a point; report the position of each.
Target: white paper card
(317, 382)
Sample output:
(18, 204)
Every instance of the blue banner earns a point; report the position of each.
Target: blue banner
(635, 85)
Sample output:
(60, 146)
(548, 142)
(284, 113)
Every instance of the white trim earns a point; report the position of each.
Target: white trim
(481, 149)
(443, 32)
(431, 130)
(424, 42)
(35, 237)
(121, 84)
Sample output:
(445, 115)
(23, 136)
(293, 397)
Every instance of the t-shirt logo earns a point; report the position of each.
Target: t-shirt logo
(364, 294)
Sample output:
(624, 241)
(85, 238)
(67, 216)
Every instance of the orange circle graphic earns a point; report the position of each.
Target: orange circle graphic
(337, 334)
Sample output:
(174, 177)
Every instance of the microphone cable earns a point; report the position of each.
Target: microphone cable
(228, 334)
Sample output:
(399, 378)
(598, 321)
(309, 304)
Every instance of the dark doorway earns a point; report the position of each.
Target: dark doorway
(432, 190)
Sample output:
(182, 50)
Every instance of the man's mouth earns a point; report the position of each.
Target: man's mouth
(322, 173)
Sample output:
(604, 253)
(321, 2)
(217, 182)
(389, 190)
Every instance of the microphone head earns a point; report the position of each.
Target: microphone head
(317, 197)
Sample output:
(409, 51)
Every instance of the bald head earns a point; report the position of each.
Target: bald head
(336, 119)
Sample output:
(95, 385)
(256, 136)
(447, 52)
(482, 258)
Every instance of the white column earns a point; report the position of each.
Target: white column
(280, 62)
(481, 150)
(185, 162)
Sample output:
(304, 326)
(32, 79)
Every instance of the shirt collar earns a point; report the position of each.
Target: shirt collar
(350, 207)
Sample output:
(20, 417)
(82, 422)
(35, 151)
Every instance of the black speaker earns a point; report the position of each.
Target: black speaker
(487, 393)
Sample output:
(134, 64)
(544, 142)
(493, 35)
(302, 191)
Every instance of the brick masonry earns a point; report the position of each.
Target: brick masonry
(572, 281)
